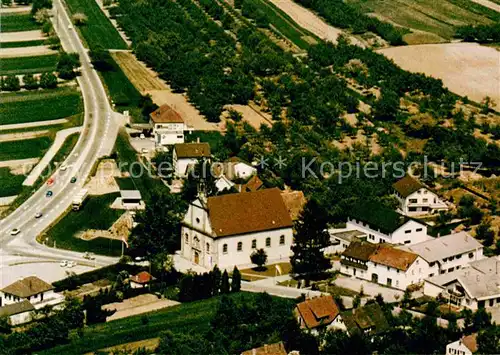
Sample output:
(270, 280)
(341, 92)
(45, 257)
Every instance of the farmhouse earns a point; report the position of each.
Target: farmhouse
(383, 225)
(17, 313)
(465, 346)
(168, 126)
(188, 154)
(32, 289)
(383, 264)
(225, 230)
(416, 199)
(318, 313)
(475, 286)
(448, 253)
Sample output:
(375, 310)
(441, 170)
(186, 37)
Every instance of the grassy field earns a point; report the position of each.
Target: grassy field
(10, 184)
(94, 214)
(32, 106)
(18, 22)
(185, 318)
(37, 42)
(28, 65)
(98, 31)
(24, 149)
(440, 18)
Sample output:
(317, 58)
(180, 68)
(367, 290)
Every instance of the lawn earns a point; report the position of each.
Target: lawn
(95, 214)
(28, 65)
(10, 184)
(36, 42)
(31, 106)
(18, 22)
(24, 149)
(193, 318)
(99, 31)
(269, 271)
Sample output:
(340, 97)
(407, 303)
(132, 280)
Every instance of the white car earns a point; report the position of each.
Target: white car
(70, 27)
(142, 136)
(63, 263)
(15, 231)
(145, 151)
(64, 167)
(71, 264)
(38, 215)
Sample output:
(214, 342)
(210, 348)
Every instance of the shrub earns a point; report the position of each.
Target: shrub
(42, 16)
(259, 258)
(30, 82)
(11, 83)
(48, 80)
(79, 19)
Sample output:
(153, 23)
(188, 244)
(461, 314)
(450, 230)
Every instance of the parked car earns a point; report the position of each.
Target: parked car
(63, 263)
(38, 215)
(89, 256)
(15, 231)
(71, 264)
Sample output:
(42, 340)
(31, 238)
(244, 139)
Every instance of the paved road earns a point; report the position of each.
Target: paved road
(99, 129)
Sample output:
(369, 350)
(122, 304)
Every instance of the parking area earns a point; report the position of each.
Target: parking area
(369, 288)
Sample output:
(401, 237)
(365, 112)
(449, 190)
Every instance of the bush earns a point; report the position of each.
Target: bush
(30, 82)
(47, 28)
(259, 258)
(79, 19)
(48, 81)
(42, 16)
(11, 83)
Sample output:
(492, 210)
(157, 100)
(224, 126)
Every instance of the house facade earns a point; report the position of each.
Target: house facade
(383, 264)
(225, 230)
(465, 346)
(32, 289)
(188, 154)
(318, 314)
(341, 239)
(416, 199)
(17, 313)
(168, 126)
(383, 225)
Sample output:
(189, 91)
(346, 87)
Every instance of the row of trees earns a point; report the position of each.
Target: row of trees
(195, 287)
(30, 82)
(479, 33)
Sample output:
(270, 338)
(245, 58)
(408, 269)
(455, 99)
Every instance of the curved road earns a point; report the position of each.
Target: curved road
(90, 146)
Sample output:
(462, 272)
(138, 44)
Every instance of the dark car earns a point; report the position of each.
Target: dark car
(73, 180)
(49, 193)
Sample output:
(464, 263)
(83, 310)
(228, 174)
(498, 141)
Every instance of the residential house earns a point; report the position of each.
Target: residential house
(271, 349)
(188, 154)
(341, 239)
(383, 225)
(253, 184)
(416, 199)
(131, 200)
(141, 280)
(32, 289)
(233, 172)
(465, 346)
(368, 320)
(383, 264)
(225, 230)
(448, 253)
(17, 313)
(168, 126)
(475, 286)
(318, 313)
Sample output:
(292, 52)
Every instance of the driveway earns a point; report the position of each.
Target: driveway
(369, 288)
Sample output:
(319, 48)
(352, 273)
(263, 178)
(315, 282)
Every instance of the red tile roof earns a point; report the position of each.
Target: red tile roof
(165, 114)
(143, 277)
(318, 311)
(396, 258)
(27, 287)
(242, 213)
(470, 341)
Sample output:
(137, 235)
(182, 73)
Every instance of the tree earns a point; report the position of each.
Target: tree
(67, 64)
(186, 288)
(356, 301)
(224, 286)
(48, 81)
(182, 344)
(311, 237)
(5, 327)
(11, 83)
(387, 106)
(30, 82)
(42, 16)
(488, 340)
(158, 226)
(40, 4)
(6, 2)
(485, 233)
(216, 280)
(259, 258)
(79, 19)
(236, 280)
(200, 179)
(72, 314)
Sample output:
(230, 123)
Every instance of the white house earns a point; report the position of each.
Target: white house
(17, 313)
(188, 154)
(225, 230)
(341, 239)
(416, 199)
(383, 225)
(475, 286)
(232, 171)
(32, 289)
(465, 346)
(383, 264)
(168, 126)
(448, 253)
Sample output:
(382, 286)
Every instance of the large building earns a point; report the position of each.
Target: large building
(168, 126)
(186, 155)
(383, 225)
(448, 253)
(225, 230)
(415, 198)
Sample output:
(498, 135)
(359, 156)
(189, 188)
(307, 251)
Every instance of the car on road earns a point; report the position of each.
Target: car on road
(38, 215)
(50, 182)
(64, 167)
(63, 263)
(73, 180)
(71, 264)
(88, 256)
(49, 193)
(70, 27)
(15, 231)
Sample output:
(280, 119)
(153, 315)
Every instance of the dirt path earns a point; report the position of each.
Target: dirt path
(488, 4)
(142, 77)
(467, 69)
(25, 51)
(21, 36)
(138, 305)
(129, 348)
(6, 127)
(19, 162)
(311, 22)
(9, 137)
(14, 9)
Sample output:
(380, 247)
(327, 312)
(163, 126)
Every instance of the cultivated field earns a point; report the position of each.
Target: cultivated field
(23, 149)
(36, 42)
(467, 69)
(26, 65)
(10, 184)
(18, 22)
(435, 17)
(98, 31)
(39, 106)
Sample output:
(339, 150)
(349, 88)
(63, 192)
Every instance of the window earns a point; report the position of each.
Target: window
(413, 200)
(186, 238)
(451, 269)
(471, 255)
(432, 264)
(430, 275)
(224, 248)
(458, 256)
(425, 192)
(407, 241)
(208, 248)
(268, 242)
(419, 192)
(240, 246)
(254, 243)
(418, 230)
(426, 200)
(491, 302)
(412, 209)
(282, 239)
(408, 231)
(197, 220)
